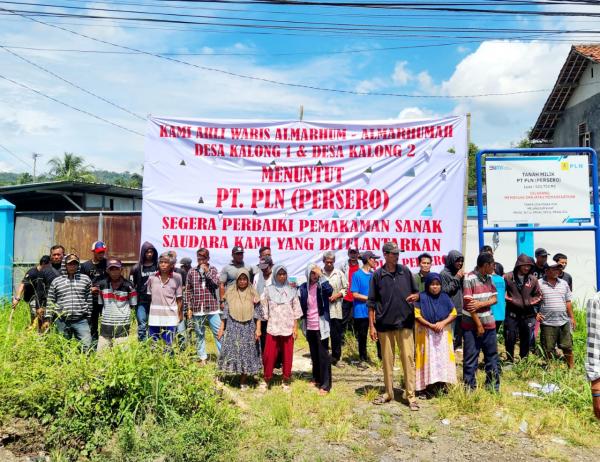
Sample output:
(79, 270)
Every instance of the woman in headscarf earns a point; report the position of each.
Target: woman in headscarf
(434, 313)
(281, 308)
(240, 326)
(314, 300)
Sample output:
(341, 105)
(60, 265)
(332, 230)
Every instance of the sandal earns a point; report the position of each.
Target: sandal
(285, 387)
(414, 406)
(382, 399)
(323, 392)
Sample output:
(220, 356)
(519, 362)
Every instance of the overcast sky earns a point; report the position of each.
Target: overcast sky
(481, 63)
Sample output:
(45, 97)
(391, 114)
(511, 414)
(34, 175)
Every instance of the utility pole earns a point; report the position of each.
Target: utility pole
(35, 156)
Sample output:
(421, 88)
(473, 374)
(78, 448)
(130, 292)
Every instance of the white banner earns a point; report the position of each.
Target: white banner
(303, 188)
(544, 190)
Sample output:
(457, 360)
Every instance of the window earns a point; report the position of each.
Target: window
(584, 136)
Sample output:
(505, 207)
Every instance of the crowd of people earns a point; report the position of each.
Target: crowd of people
(254, 312)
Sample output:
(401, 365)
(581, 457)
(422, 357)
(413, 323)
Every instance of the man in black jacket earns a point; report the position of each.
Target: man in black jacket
(146, 266)
(522, 295)
(452, 283)
(95, 269)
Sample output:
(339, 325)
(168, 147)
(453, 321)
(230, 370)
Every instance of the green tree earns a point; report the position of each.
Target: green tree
(473, 150)
(70, 167)
(25, 178)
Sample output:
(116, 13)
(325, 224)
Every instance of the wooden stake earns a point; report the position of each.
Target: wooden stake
(301, 112)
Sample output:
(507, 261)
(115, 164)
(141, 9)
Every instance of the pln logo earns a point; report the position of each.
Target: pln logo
(499, 167)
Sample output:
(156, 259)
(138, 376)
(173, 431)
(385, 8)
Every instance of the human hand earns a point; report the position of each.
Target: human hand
(204, 267)
(220, 333)
(438, 327)
(258, 333)
(536, 300)
(189, 314)
(573, 324)
(373, 334)
(295, 333)
(539, 317)
(15, 302)
(95, 290)
(412, 298)
(480, 331)
(460, 273)
(45, 326)
(472, 306)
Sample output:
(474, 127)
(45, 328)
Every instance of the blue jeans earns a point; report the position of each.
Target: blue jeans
(214, 322)
(164, 333)
(473, 345)
(142, 313)
(79, 330)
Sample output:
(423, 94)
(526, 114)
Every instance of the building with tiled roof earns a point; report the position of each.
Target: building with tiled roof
(571, 114)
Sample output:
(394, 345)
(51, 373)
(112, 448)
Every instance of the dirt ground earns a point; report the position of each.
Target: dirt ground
(390, 432)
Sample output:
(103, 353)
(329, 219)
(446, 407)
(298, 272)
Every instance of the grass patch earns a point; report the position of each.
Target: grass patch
(566, 414)
(124, 404)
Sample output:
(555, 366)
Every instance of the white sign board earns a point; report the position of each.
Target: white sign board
(543, 190)
(303, 188)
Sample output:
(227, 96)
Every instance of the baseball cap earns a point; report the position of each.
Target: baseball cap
(541, 252)
(71, 257)
(554, 266)
(390, 247)
(185, 261)
(114, 263)
(265, 262)
(99, 246)
(368, 254)
(237, 249)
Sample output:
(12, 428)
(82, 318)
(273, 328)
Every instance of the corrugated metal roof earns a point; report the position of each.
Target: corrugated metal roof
(70, 187)
(568, 79)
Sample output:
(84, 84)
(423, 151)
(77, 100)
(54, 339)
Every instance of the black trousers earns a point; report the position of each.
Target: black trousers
(94, 320)
(521, 328)
(321, 361)
(458, 332)
(361, 331)
(337, 335)
(347, 313)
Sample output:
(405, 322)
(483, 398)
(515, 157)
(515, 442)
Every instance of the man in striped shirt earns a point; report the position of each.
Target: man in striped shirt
(118, 297)
(556, 315)
(70, 302)
(479, 294)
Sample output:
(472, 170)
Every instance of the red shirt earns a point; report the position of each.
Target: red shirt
(351, 270)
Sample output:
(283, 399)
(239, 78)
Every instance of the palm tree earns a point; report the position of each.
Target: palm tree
(70, 168)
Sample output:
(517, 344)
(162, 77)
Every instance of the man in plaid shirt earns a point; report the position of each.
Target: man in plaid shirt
(592, 365)
(202, 301)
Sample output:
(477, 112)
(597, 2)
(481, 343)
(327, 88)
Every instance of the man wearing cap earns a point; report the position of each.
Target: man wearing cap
(339, 283)
(230, 271)
(95, 269)
(556, 315)
(541, 263)
(118, 297)
(70, 302)
(391, 321)
(349, 267)
(202, 302)
(361, 280)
